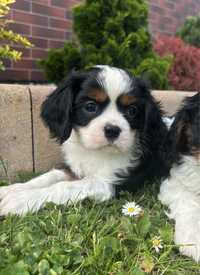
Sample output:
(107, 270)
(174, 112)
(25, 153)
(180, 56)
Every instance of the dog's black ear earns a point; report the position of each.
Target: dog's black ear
(184, 132)
(154, 124)
(57, 109)
(153, 115)
(181, 133)
(183, 137)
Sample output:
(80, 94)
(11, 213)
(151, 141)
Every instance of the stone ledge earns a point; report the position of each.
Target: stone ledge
(25, 144)
(171, 100)
(15, 129)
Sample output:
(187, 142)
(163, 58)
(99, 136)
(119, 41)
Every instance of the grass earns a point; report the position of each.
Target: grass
(89, 238)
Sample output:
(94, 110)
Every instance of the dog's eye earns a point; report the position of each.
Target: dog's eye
(91, 107)
(131, 111)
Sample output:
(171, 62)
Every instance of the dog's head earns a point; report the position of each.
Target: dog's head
(105, 106)
(185, 131)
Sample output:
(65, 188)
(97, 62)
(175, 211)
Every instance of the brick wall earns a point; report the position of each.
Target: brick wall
(166, 16)
(48, 23)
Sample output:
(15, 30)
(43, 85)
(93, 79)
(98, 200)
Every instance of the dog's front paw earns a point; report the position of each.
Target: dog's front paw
(188, 238)
(191, 250)
(20, 201)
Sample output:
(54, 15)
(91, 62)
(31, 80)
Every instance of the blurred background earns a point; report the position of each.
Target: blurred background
(48, 24)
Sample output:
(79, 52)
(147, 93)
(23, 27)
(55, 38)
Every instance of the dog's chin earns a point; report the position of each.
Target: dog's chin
(107, 147)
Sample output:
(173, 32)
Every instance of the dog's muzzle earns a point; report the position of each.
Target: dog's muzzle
(112, 132)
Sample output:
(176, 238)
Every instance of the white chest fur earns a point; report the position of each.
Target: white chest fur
(185, 176)
(84, 162)
(181, 193)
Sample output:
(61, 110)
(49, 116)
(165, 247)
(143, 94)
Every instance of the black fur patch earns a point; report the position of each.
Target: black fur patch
(184, 135)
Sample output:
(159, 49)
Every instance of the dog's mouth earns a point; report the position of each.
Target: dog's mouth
(112, 148)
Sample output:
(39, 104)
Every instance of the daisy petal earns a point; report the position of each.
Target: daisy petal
(131, 209)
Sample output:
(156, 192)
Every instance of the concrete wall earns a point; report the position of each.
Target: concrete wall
(24, 141)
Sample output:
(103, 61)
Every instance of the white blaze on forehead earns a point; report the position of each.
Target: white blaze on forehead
(115, 81)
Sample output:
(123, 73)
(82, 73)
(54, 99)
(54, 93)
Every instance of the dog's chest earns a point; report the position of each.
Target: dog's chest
(97, 163)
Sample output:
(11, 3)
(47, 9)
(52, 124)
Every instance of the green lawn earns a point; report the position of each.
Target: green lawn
(90, 238)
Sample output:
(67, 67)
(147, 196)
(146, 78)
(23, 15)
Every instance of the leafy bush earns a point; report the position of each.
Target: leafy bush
(112, 32)
(190, 32)
(185, 71)
(6, 51)
(61, 61)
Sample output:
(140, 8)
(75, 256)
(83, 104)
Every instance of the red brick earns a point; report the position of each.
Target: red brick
(14, 75)
(22, 5)
(7, 63)
(20, 28)
(26, 64)
(64, 3)
(68, 15)
(48, 33)
(49, 11)
(25, 52)
(60, 24)
(4, 42)
(155, 2)
(170, 5)
(39, 42)
(157, 9)
(56, 44)
(38, 76)
(43, 2)
(30, 18)
(166, 20)
(38, 53)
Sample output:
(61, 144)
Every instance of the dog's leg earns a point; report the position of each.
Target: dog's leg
(26, 200)
(187, 228)
(42, 181)
(184, 208)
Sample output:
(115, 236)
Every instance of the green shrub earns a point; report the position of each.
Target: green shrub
(112, 32)
(61, 61)
(190, 31)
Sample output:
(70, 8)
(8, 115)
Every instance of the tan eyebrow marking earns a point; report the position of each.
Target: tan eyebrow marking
(98, 95)
(127, 100)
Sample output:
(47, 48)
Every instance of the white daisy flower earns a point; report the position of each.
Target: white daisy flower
(157, 243)
(131, 209)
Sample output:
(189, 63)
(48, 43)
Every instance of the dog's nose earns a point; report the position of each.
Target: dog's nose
(111, 131)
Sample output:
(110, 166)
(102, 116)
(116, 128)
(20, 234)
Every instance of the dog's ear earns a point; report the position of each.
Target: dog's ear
(184, 137)
(153, 111)
(57, 109)
(181, 133)
(185, 131)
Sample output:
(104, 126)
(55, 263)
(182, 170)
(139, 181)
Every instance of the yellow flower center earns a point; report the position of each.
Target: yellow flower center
(156, 242)
(131, 209)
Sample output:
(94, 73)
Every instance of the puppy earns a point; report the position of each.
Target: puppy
(111, 132)
(181, 190)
